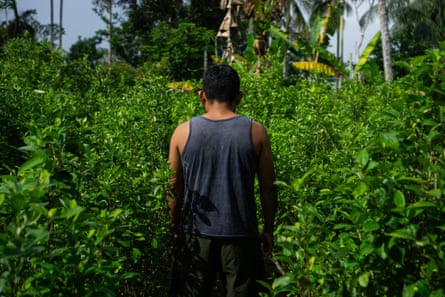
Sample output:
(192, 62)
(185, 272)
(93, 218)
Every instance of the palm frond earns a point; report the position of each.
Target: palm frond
(316, 67)
(367, 52)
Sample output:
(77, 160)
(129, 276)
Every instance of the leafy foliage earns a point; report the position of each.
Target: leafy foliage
(181, 49)
(82, 213)
(87, 48)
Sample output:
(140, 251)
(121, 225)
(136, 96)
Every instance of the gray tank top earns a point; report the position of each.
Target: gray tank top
(219, 164)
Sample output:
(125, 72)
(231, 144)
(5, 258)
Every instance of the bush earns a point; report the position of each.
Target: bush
(360, 173)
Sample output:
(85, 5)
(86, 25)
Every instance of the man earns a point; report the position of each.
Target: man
(215, 158)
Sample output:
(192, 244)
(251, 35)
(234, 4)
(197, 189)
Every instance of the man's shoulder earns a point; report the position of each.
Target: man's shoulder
(182, 128)
(180, 136)
(257, 128)
(259, 135)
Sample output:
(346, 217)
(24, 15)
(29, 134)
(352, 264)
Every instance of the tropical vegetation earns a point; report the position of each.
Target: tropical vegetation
(359, 157)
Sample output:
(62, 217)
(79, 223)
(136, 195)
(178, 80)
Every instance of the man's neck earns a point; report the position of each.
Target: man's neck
(219, 111)
(219, 116)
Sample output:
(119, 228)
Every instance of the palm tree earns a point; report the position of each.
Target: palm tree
(268, 18)
(60, 23)
(110, 27)
(309, 45)
(423, 20)
(386, 45)
(262, 14)
(21, 23)
(295, 22)
(51, 28)
(334, 12)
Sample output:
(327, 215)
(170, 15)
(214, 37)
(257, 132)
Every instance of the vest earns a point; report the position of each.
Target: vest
(219, 165)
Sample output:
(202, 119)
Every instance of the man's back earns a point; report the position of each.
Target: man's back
(219, 164)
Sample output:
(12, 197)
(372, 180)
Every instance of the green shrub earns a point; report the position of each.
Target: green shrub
(360, 174)
(365, 216)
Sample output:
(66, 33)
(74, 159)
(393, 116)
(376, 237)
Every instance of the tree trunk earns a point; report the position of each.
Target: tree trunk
(14, 8)
(60, 23)
(51, 25)
(340, 41)
(386, 45)
(110, 28)
(287, 28)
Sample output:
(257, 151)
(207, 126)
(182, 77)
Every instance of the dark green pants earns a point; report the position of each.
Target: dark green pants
(198, 261)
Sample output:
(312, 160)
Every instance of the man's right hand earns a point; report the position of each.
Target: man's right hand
(266, 239)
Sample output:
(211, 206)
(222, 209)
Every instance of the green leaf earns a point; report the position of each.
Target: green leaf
(38, 234)
(367, 52)
(366, 249)
(18, 203)
(298, 183)
(392, 113)
(342, 252)
(70, 212)
(360, 189)
(154, 243)
(115, 213)
(389, 140)
(316, 28)
(399, 199)
(38, 158)
(371, 165)
(381, 251)
(422, 204)
(136, 253)
(342, 226)
(41, 210)
(370, 225)
(362, 157)
(129, 275)
(407, 233)
(437, 293)
(409, 291)
(436, 193)
(58, 252)
(363, 279)
(282, 281)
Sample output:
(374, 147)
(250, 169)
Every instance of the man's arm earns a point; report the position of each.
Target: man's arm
(175, 203)
(266, 180)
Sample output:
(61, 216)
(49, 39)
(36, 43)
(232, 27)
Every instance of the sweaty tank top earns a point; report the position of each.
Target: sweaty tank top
(219, 165)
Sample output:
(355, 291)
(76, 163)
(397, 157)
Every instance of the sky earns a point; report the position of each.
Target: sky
(79, 20)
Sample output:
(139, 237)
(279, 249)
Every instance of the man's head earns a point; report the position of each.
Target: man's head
(221, 83)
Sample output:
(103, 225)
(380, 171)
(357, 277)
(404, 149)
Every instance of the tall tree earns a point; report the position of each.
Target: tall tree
(205, 13)
(334, 12)
(386, 45)
(60, 23)
(21, 24)
(51, 28)
(420, 21)
(294, 19)
(104, 8)
(141, 17)
(261, 14)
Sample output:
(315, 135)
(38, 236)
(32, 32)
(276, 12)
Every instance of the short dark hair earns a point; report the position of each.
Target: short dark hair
(221, 83)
